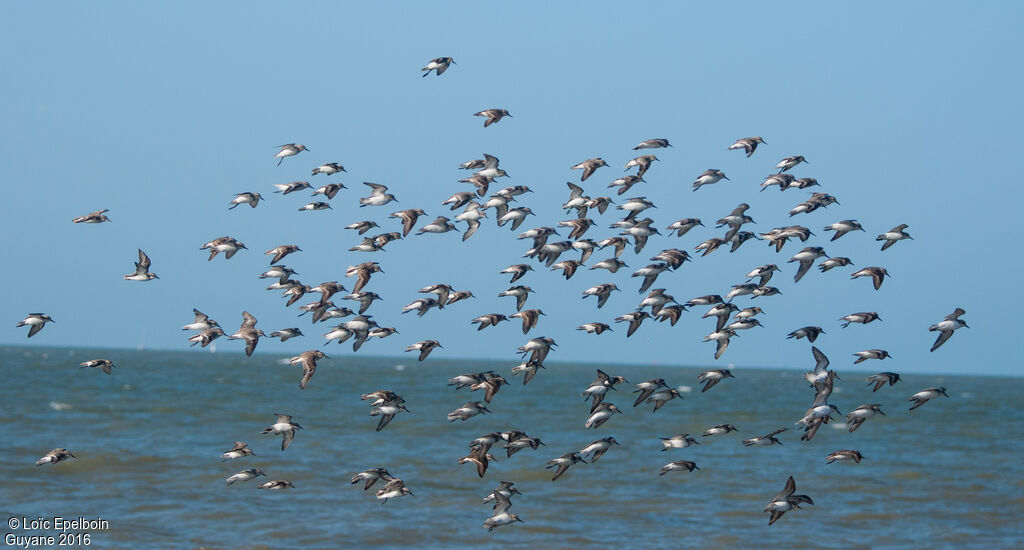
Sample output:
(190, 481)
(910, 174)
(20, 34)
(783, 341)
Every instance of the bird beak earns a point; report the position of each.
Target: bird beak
(726, 178)
(881, 413)
(327, 356)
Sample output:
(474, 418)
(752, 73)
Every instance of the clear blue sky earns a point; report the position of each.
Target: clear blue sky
(907, 112)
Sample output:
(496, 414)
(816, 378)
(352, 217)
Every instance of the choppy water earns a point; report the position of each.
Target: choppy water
(148, 441)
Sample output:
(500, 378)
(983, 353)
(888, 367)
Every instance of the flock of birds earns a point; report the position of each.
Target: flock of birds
(729, 318)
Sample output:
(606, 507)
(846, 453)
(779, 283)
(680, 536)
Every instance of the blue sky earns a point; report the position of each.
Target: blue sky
(906, 112)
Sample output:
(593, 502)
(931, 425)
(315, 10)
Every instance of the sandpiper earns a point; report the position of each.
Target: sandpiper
(281, 251)
(519, 292)
(493, 115)
(55, 456)
(276, 484)
(806, 258)
(845, 454)
(786, 501)
(245, 475)
(289, 150)
(811, 333)
(371, 476)
(394, 489)
(712, 377)
(763, 440)
(790, 162)
(468, 411)
(424, 347)
(601, 414)
(877, 274)
(894, 235)
(104, 364)
(537, 348)
(329, 190)
(501, 515)
(206, 337)
(857, 416)
(747, 144)
(329, 169)
(563, 462)
(378, 195)
(594, 328)
(709, 177)
(678, 465)
(316, 205)
(308, 361)
(837, 261)
(362, 272)
(517, 271)
(227, 245)
(250, 198)
(286, 188)
(439, 65)
(719, 430)
(142, 269)
(681, 227)
(588, 166)
(285, 427)
(680, 441)
(387, 411)
(504, 488)
(602, 291)
(870, 354)
(655, 143)
(239, 450)
(880, 379)
(634, 319)
(863, 317)
(642, 163)
(923, 396)
(488, 320)
(441, 224)
(35, 322)
(946, 326)
(843, 227)
(248, 332)
(648, 387)
(529, 317)
(659, 398)
(93, 217)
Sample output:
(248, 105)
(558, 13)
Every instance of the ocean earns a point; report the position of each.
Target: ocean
(148, 440)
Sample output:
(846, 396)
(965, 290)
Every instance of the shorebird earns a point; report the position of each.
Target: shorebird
(467, 411)
(763, 272)
(601, 414)
(488, 320)
(656, 143)
(843, 227)
(625, 183)
(594, 328)
(811, 333)
(790, 162)
(537, 348)
(371, 476)
(55, 456)
(285, 427)
(923, 396)
(308, 361)
(387, 411)
(441, 224)
(857, 416)
(439, 65)
(104, 364)
(600, 387)
(681, 227)
(329, 190)
(863, 317)
(493, 115)
(329, 169)
(276, 484)
(678, 465)
(588, 166)
(490, 385)
(245, 475)
(780, 179)
(719, 430)
(516, 216)
(501, 515)
(894, 235)
(747, 144)
(680, 441)
(281, 251)
(239, 450)
(517, 271)
(656, 300)
(870, 354)
(227, 245)
(709, 177)
(519, 440)
(458, 296)
(93, 217)
(634, 319)
(659, 398)
(424, 347)
(786, 501)
(529, 317)
(362, 226)
(408, 218)
(830, 263)
(206, 336)
(946, 326)
(248, 332)
(394, 489)
(648, 387)
(252, 199)
(845, 454)
(378, 195)
(289, 150)
(317, 205)
(35, 322)
(877, 274)
(670, 313)
(142, 269)
(563, 462)
(519, 292)
(764, 440)
(362, 272)
(806, 258)
(602, 291)
(642, 164)
(712, 377)
(880, 379)
(504, 488)
(286, 188)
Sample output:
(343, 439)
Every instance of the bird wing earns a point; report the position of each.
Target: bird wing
(248, 321)
(788, 490)
(820, 361)
(144, 261)
(805, 266)
(308, 369)
(943, 336)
